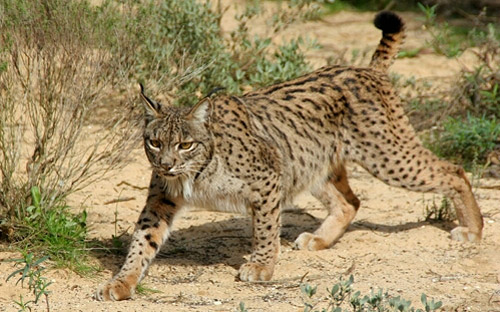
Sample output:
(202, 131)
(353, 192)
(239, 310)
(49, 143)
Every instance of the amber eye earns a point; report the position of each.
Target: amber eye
(154, 143)
(185, 145)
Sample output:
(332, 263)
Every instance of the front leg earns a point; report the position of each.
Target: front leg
(266, 218)
(150, 233)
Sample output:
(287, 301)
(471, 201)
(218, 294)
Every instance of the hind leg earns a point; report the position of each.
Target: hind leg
(468, 213)
(417, 169)
(339, 180)
(337, 196)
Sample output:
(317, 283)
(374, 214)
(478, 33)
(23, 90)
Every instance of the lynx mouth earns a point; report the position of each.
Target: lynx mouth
(167, 174)
(170, 175)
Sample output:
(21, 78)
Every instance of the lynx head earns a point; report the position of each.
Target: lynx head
(177, 141)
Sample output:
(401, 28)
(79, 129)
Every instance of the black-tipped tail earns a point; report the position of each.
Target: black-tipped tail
(388, 22)
(392, 27)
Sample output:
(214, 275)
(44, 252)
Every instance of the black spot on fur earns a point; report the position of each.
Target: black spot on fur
(154, 245)
(167, 202)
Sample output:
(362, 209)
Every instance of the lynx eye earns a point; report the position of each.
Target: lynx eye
(155, 144)
(185, 145)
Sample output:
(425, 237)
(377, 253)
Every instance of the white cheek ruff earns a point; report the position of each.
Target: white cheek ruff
(187, 188)
(179, 187)
(173, 187)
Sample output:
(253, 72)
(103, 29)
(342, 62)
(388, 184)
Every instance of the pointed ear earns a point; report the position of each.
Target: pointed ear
(200, 111)
(152, 108)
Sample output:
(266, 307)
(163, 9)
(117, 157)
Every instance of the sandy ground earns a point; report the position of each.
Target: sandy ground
(389, 245)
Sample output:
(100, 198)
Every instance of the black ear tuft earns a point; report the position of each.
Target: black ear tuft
(152, 108)
(214, 91)
(388, 22)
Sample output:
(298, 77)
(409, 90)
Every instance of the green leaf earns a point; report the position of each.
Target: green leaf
(37, 262)
(14, 273)
(36, 196)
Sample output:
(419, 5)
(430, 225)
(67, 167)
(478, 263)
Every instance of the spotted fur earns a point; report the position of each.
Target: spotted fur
(256, 152)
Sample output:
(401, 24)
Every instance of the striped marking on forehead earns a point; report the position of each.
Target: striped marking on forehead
(172, 129)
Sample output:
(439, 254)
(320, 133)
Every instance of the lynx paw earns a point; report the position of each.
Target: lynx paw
(462, 234)
(308, 241)
(253, 272)
(114, 290)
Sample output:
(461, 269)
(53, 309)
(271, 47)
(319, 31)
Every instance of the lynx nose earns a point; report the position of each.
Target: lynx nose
(167, 167)
(167, 164)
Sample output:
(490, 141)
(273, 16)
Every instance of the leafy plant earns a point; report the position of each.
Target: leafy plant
(342, 297)
(55, 231)
(443, 40)
(467, 141)
(441, 212)
(178, 47)
(479, 89)
(409, 53)
(37, 283)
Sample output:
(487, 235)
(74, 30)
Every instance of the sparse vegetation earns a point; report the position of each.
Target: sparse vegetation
(56, 232)
(142, 289)
(52, 82)
(443, 40)
(343, 298)
(37, 283)
(440, 212)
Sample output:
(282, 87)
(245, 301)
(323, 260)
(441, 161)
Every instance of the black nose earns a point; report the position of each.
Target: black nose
(167, 163)
(167, 166)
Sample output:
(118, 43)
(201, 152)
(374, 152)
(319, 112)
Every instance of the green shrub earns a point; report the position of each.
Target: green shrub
(178, 47)
(55, 232)
(467, 141)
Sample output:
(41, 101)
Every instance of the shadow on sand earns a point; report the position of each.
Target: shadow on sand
(228, 241)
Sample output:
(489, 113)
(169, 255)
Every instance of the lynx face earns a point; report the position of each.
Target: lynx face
(177, 144)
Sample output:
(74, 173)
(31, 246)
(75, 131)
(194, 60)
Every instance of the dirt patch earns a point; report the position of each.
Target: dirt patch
(388, 245)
